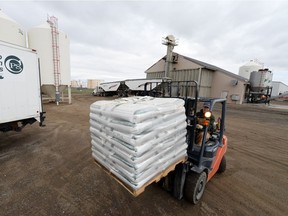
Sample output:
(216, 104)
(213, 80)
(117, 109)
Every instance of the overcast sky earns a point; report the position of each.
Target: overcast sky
(116, 40)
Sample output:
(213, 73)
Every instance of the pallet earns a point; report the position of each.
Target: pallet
(137, 192)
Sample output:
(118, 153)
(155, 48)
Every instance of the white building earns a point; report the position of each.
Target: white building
(93, 83)
(279, 88)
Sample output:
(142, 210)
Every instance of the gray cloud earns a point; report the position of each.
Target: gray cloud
(113, 40)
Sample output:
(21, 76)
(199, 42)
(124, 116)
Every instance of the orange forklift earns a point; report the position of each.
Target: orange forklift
(189, 179)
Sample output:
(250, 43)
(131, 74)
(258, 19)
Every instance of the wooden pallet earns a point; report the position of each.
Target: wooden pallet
(136, 192)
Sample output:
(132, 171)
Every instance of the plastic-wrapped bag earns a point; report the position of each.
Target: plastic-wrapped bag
(137, 138)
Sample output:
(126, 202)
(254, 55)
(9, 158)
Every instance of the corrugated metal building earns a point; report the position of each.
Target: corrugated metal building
(213, 81)
(279, 88)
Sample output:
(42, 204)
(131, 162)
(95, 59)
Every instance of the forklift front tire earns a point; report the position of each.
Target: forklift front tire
(194, 186)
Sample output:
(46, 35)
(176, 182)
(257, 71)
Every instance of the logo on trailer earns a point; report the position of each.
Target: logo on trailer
(13, 64)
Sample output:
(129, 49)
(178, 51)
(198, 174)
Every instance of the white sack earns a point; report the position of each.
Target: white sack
(137, 138)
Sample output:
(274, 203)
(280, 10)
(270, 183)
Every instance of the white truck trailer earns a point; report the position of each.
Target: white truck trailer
(137, 86)
(20, 92)
(126, 87)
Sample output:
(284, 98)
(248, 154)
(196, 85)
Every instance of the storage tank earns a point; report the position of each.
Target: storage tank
(11, 31)
(260, 80)
(40, 38)
(249, 67)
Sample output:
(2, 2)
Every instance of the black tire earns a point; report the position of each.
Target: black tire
(179, 180)
(222, 166)
(194, 186)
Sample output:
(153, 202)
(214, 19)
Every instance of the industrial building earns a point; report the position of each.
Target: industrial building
(75, 84)
(252, 85)
(279, 88)
(213, 81)
(93, 83)
(89, 83)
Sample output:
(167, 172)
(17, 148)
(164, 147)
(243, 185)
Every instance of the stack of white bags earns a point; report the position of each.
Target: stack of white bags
(137, 138)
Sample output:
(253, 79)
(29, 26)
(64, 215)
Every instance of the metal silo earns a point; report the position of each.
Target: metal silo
(260, 86)
(249, 67)
(53, 47)
(261, 80)
(11, 31)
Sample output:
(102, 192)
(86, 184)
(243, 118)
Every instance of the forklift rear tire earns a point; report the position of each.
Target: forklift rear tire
(222, 166)
(194, 186)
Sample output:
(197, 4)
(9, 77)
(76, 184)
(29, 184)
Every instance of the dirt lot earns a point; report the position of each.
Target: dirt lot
(50, 170)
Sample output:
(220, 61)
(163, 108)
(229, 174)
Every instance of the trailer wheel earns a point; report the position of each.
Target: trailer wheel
(222, 166)
(195, 186)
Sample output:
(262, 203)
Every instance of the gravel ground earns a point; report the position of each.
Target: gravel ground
(50, 170)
